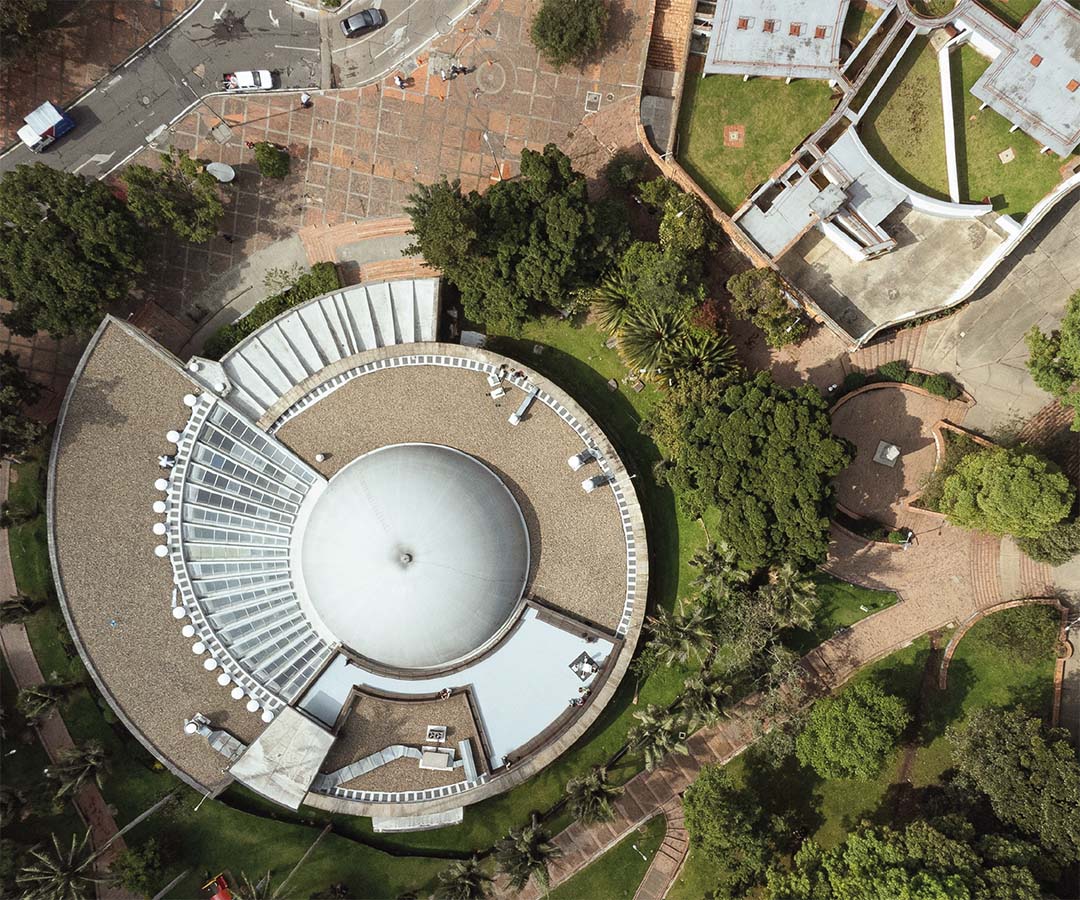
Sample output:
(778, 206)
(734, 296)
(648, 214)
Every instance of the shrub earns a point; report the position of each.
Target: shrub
(322, 279)
(758, 295)
(1060, 544)
(915, 379)
(566, 31)
(853, 381)
(899, 536)
(1007, 492)
(897, 370)
(625, 169)
(957, 446)
(1025, 632)
(272, 161)
(941, 386)
(139, 868)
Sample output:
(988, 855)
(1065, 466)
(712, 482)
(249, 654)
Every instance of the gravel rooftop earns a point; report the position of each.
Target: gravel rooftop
(578, 548)
(116, 591)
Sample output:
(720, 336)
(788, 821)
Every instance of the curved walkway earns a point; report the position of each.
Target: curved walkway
(19, 656)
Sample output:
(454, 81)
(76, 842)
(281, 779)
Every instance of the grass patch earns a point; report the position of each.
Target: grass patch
(1014, 187)
(842, 604)
(777, 118)
(28, 543)
(859, 20)
(617, 874)
(1011, 11)
(904, 128)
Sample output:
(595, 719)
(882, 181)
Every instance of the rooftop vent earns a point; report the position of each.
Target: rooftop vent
(1036, 60)
(1072, 86)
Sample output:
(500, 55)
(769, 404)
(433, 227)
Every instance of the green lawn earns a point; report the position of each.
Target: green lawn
(860, 19)
(842, 604)
(904, 128)
(777, 118)
(29, 543)
(980, 674)
(617, 874)
(1012, 187)
(1011, 11)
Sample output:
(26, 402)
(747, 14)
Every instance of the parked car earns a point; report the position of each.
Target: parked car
(43, 126)
(363, 22)
(259, 80)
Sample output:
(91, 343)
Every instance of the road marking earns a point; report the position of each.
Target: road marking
(275, 22)
(287, 47)
(221, 12)
(111, 82)
(389, 47)
(98, 159)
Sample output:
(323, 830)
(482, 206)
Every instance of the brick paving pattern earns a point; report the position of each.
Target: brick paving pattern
(669, 858)
(88, 39)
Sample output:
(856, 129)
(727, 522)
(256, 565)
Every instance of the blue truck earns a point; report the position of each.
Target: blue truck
(43, 126)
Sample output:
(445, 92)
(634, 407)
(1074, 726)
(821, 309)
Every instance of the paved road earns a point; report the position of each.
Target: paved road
(125, 110)
(410, 26)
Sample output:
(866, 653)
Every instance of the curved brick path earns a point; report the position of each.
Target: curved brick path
(19, 656)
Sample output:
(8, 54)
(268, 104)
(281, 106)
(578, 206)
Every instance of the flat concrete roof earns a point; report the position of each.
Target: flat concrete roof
(932, 258)
(782, 38)
(1030, 85)
(115, 592)
(283, 761)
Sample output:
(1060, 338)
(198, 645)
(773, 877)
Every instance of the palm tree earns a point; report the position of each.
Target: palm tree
(659, 732)
(702, 701)
(77, 766)
(610, 301)
(590, 796)
(17, 608)
(710, 355)
(792, 597)
(526, 853)
(649, 338)
(36, 702)
(463, 880)
(12, 803)
(677, 638)
(719, 569)
(61, 873)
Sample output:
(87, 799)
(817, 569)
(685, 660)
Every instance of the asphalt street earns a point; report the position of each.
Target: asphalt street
(410, 25)
(129, 107)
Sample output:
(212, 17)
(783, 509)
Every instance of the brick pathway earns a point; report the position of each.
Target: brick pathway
(54, 736)
(88, 39)
(669, 858)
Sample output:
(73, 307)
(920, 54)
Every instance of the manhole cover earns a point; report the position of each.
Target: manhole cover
(144, 100)
(491, 77)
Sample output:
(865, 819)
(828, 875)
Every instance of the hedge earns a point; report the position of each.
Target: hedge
(322, 279)
(939, 385)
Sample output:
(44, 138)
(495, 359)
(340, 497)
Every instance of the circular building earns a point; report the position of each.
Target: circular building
(345, 565)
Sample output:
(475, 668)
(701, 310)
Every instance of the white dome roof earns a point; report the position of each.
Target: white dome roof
(415, 556)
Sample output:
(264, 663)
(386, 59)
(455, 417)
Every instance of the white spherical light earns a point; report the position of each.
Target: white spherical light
(253, 706)
(161, 551)
(159, 506)
(159, 528)
(198, 648)
(190, 728)
(190, 399)
(237, 693)
(188, 631)
(173, 437)
(209, 664)
(178, 612)
(267, 716)
(161, 484)
(223, 679)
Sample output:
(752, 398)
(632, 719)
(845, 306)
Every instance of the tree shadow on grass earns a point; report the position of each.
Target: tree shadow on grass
(789, 791)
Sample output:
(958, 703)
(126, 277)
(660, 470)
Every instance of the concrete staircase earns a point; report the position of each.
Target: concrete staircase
(303, 341)
(904, 344)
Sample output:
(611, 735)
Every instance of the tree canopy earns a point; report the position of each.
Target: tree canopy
(727, 824)
(757, 295)
(762, 455)
(850, 735)
(18, 432)
(1054, 360)
(527, 242)
(181, 196)
(18, 18)
(1007, 492)
(569, 31)
(918, 863)
(68, 248)
(1030, 775)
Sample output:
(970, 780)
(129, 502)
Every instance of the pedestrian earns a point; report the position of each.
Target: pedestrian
(305, 100)
(476, 94)
(249, 144)
(399, 81)
(442, 74)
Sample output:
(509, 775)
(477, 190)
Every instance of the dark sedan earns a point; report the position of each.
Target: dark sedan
(363, 22)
